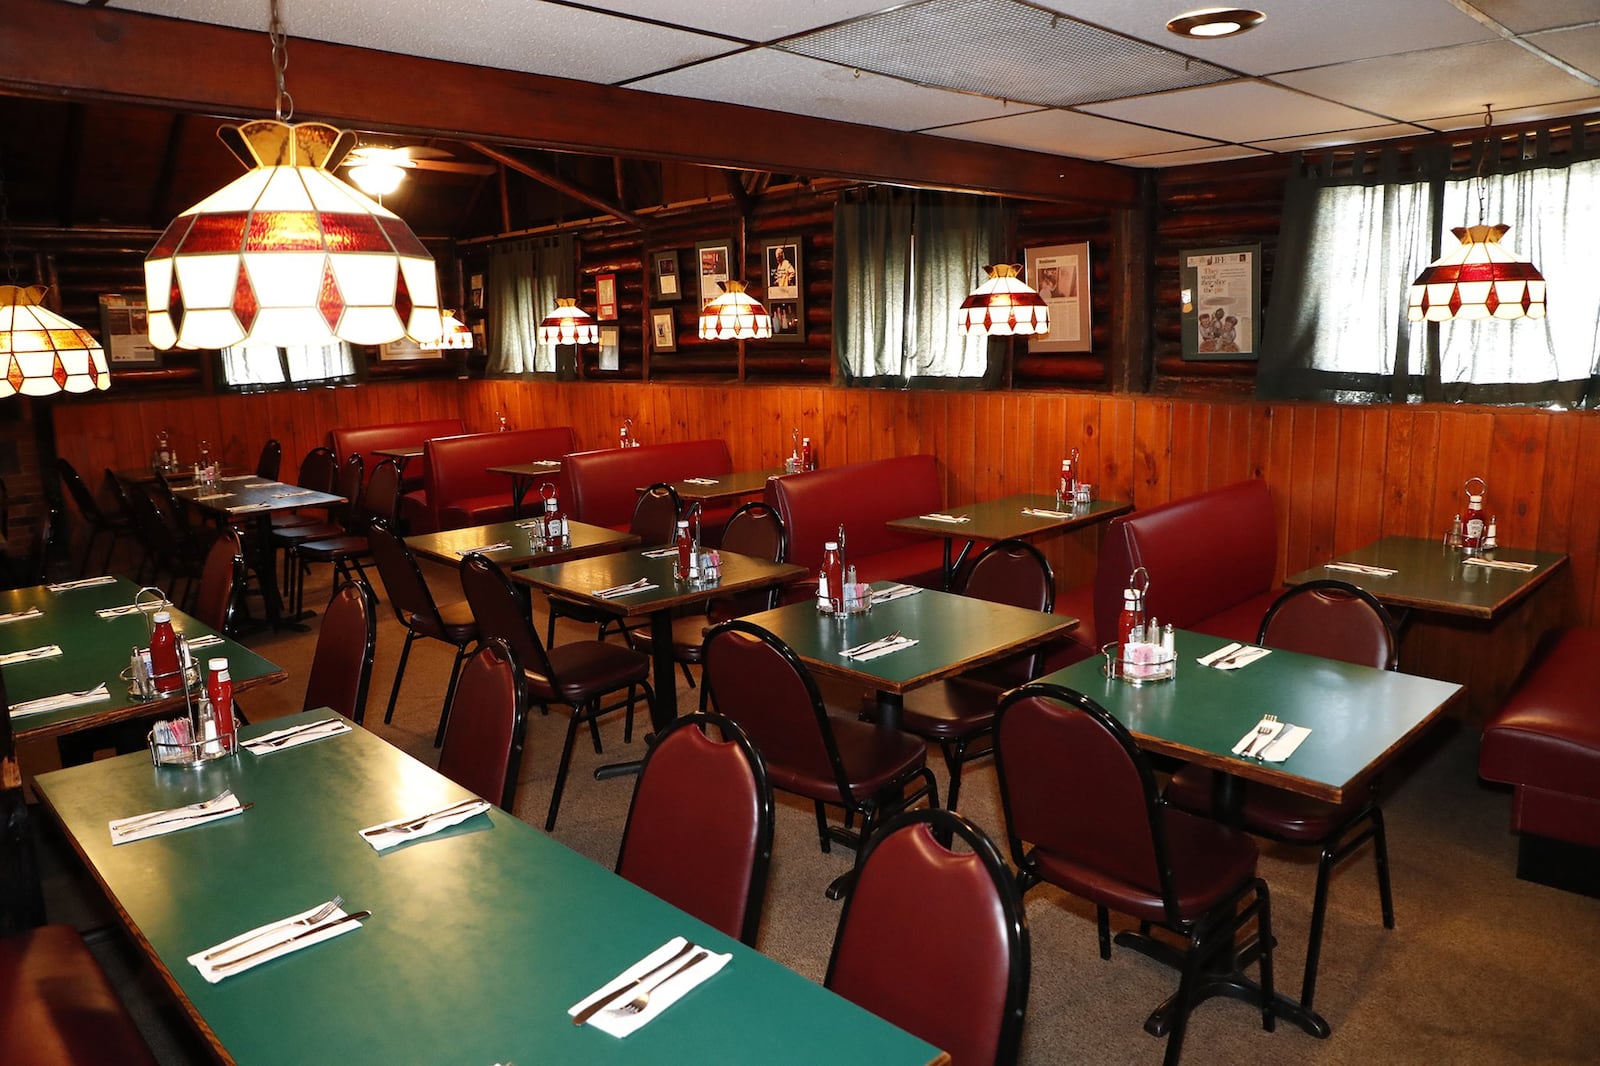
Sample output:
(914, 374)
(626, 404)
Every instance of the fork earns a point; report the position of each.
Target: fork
(192, 809)
(642, 1000)
(422, 820)
(871, 645)
(1268, 721)
(322, 913)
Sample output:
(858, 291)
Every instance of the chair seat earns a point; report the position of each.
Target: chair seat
(1271, 812)
(959, 708)
(296, 535)
(1209, 863)
(872, 758)
(688, 634)
(331, 548)
(586, 669)
(460, 627)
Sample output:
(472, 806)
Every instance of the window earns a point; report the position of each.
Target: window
(261, 365)
(525, 279)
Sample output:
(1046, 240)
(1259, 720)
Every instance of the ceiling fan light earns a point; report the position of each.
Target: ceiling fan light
(1215, 22)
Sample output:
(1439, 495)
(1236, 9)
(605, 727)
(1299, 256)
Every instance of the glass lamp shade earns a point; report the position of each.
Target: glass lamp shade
(735, 315)
(42, 353)
(289, 255)
(568, 324)
(1480, 279)
(1005, 305)
(455, 335)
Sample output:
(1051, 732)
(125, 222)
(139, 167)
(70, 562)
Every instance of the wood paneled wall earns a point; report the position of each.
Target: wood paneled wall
(1341, 475)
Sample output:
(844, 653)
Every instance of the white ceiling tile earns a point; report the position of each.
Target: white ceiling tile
(1071, 134)
(1235, 111)
(783, 81)
(1514, 115)
(1334, 138)
(1213, 154)
(1528, 16)
(1579, 47)
(1445, 81)
(761, 21)
(1295, 33)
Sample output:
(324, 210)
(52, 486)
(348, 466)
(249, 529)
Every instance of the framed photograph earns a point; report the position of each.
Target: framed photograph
(781, 260)
(788, 321)
(1061, 274)
(610, 348)
(605, 297)
(125, 332)
(714, 260)
(475, 292)
(1221, 292)
(664, 284)
(406, 349)
(663, 331)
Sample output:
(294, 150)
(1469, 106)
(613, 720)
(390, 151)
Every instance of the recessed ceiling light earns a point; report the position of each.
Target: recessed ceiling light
(1216, 22)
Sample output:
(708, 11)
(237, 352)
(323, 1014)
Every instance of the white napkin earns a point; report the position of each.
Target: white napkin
(133, 608)
(659, 553)
(49, 651)
(281, 931)
(545, 462)
(1361, 568)
(940, 517)
(662, 997)
(205, 641)
(1255, 736)
(701, 481)
(84, 583)
(1221, 653)
(1240, 659)
(297, 492)
(98, 694)
(388, 834)
(1503, 564)
(1284, 744)
(1045, 512)
(239, 477)
(214, 496)
(293, 737)
(887, 648)
(17, 616)
(249, 507)
(497, 546)
(894, 592)
(157, 823)
(622, 590)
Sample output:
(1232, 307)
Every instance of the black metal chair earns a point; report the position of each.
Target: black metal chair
(341, 666)
(350, 549)
(488, 723)
(270, 464)
(97, 520)
(655, 520)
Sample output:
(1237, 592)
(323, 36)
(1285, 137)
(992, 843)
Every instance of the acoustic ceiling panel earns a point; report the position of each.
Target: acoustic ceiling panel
(1235, 111)
(1070, 133)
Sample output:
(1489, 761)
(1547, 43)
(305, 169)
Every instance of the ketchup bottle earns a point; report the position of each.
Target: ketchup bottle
(164, 654)
(1472, 530)
(219, 686)
(808, 457)
(1132, 616)
(685, 549)
(830, 583)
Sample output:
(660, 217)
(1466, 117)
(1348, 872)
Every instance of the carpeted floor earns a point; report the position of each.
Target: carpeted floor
(1481, 967)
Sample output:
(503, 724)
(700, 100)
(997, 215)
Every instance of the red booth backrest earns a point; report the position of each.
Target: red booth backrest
(456, 468)
(364, 440)
(862, 496)
(604, 485)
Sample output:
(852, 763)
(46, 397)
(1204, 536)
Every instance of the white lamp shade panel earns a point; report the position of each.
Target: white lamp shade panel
(42, 353)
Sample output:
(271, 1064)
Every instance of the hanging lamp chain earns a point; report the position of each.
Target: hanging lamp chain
(280, 61)
(1483, 160)
(5, 228)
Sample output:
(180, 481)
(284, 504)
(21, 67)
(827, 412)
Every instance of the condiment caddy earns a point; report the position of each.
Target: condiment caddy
(1145, 651)
(207, 729)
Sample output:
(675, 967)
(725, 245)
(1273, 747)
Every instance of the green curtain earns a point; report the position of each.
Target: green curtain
(871, 285)
(525, 278)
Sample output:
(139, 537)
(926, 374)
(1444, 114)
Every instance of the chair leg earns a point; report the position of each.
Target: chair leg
(561, 770)
(450, 694)
(1269, 1016)
(952, 763)
(1102, 918)
(822, 827)
(550, 630)
(627, 719)
(399, 672)
(1380, 852)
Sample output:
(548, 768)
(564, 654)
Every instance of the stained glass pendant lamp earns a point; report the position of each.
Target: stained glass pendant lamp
(454, 335)
(42, 353)
(288, 254)
(1005, 305)
(568, 324)
(735, 315)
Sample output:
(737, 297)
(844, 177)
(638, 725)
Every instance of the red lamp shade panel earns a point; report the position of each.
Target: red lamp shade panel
(1480, 279)
(568, 324)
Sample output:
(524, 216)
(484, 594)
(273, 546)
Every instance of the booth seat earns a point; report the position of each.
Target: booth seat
(603, 486)
(1211, 558)
(1545, 743)
(57, 1008)
(365, 440)
(457, 488)
(862, 497)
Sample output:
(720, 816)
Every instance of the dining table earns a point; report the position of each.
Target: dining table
(1024, 516)
(953, 634)
(96, 650)
(1469, 619)
(723, 488)
(1359, 718)
(656, 598)
(524, 476)
(479, 940)
(510, 544)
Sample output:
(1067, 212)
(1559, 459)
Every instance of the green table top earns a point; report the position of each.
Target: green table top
(954, 634)
(1358, 716)
(1432, 577)
(578, 580)
(1003, 519)
(95, 650)
(586, 540)
(234, 499)
(728, 486)
(481, 936)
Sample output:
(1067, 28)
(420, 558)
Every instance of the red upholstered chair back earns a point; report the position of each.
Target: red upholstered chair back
(655, 516)
(1013, 572)
(1333, 619)
(341, 667)
(934, 939)
(754, 530)
(402, 578)
(699, 832)
(501, 608)
(1075, 786)
(483, 738)
(756, 680)
(319, 470)
(219, 580)
(270, 464)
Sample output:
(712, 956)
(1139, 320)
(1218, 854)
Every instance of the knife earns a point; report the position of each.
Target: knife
(196, 816)
(604, 1001)
(421, 819)
(313, 931)
(283, 738)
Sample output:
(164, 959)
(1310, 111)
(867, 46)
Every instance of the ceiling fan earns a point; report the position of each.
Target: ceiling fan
(379, 169)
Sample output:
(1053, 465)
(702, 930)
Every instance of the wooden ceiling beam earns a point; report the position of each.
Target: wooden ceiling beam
(561, 185)
(55, 49)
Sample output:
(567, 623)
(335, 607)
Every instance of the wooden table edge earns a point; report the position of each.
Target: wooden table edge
(128, 713)
(843, 672)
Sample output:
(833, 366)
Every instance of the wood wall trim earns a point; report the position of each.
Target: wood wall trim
(52, 48)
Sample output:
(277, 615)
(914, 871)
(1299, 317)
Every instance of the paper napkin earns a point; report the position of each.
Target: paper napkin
(622, 590)
(157, 823)
(49, 651)
(887, 648)
(1284, 744)
(17, 616)
(1361, 568)
(701, 481)
(1240, 659)
(236, 955)
(280, 739)
(239, 477)
(213, 496)
(659, 553)
(98, 694)
(894, 592)
(250, 507)
(941, 517)
(88, 582)
(386, 835)
(662, 996)
(1257, 737)
(1503, 564)
(498, 546)
(1045, 512)
(1221, 653)
(133, 608)
(205, 641)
